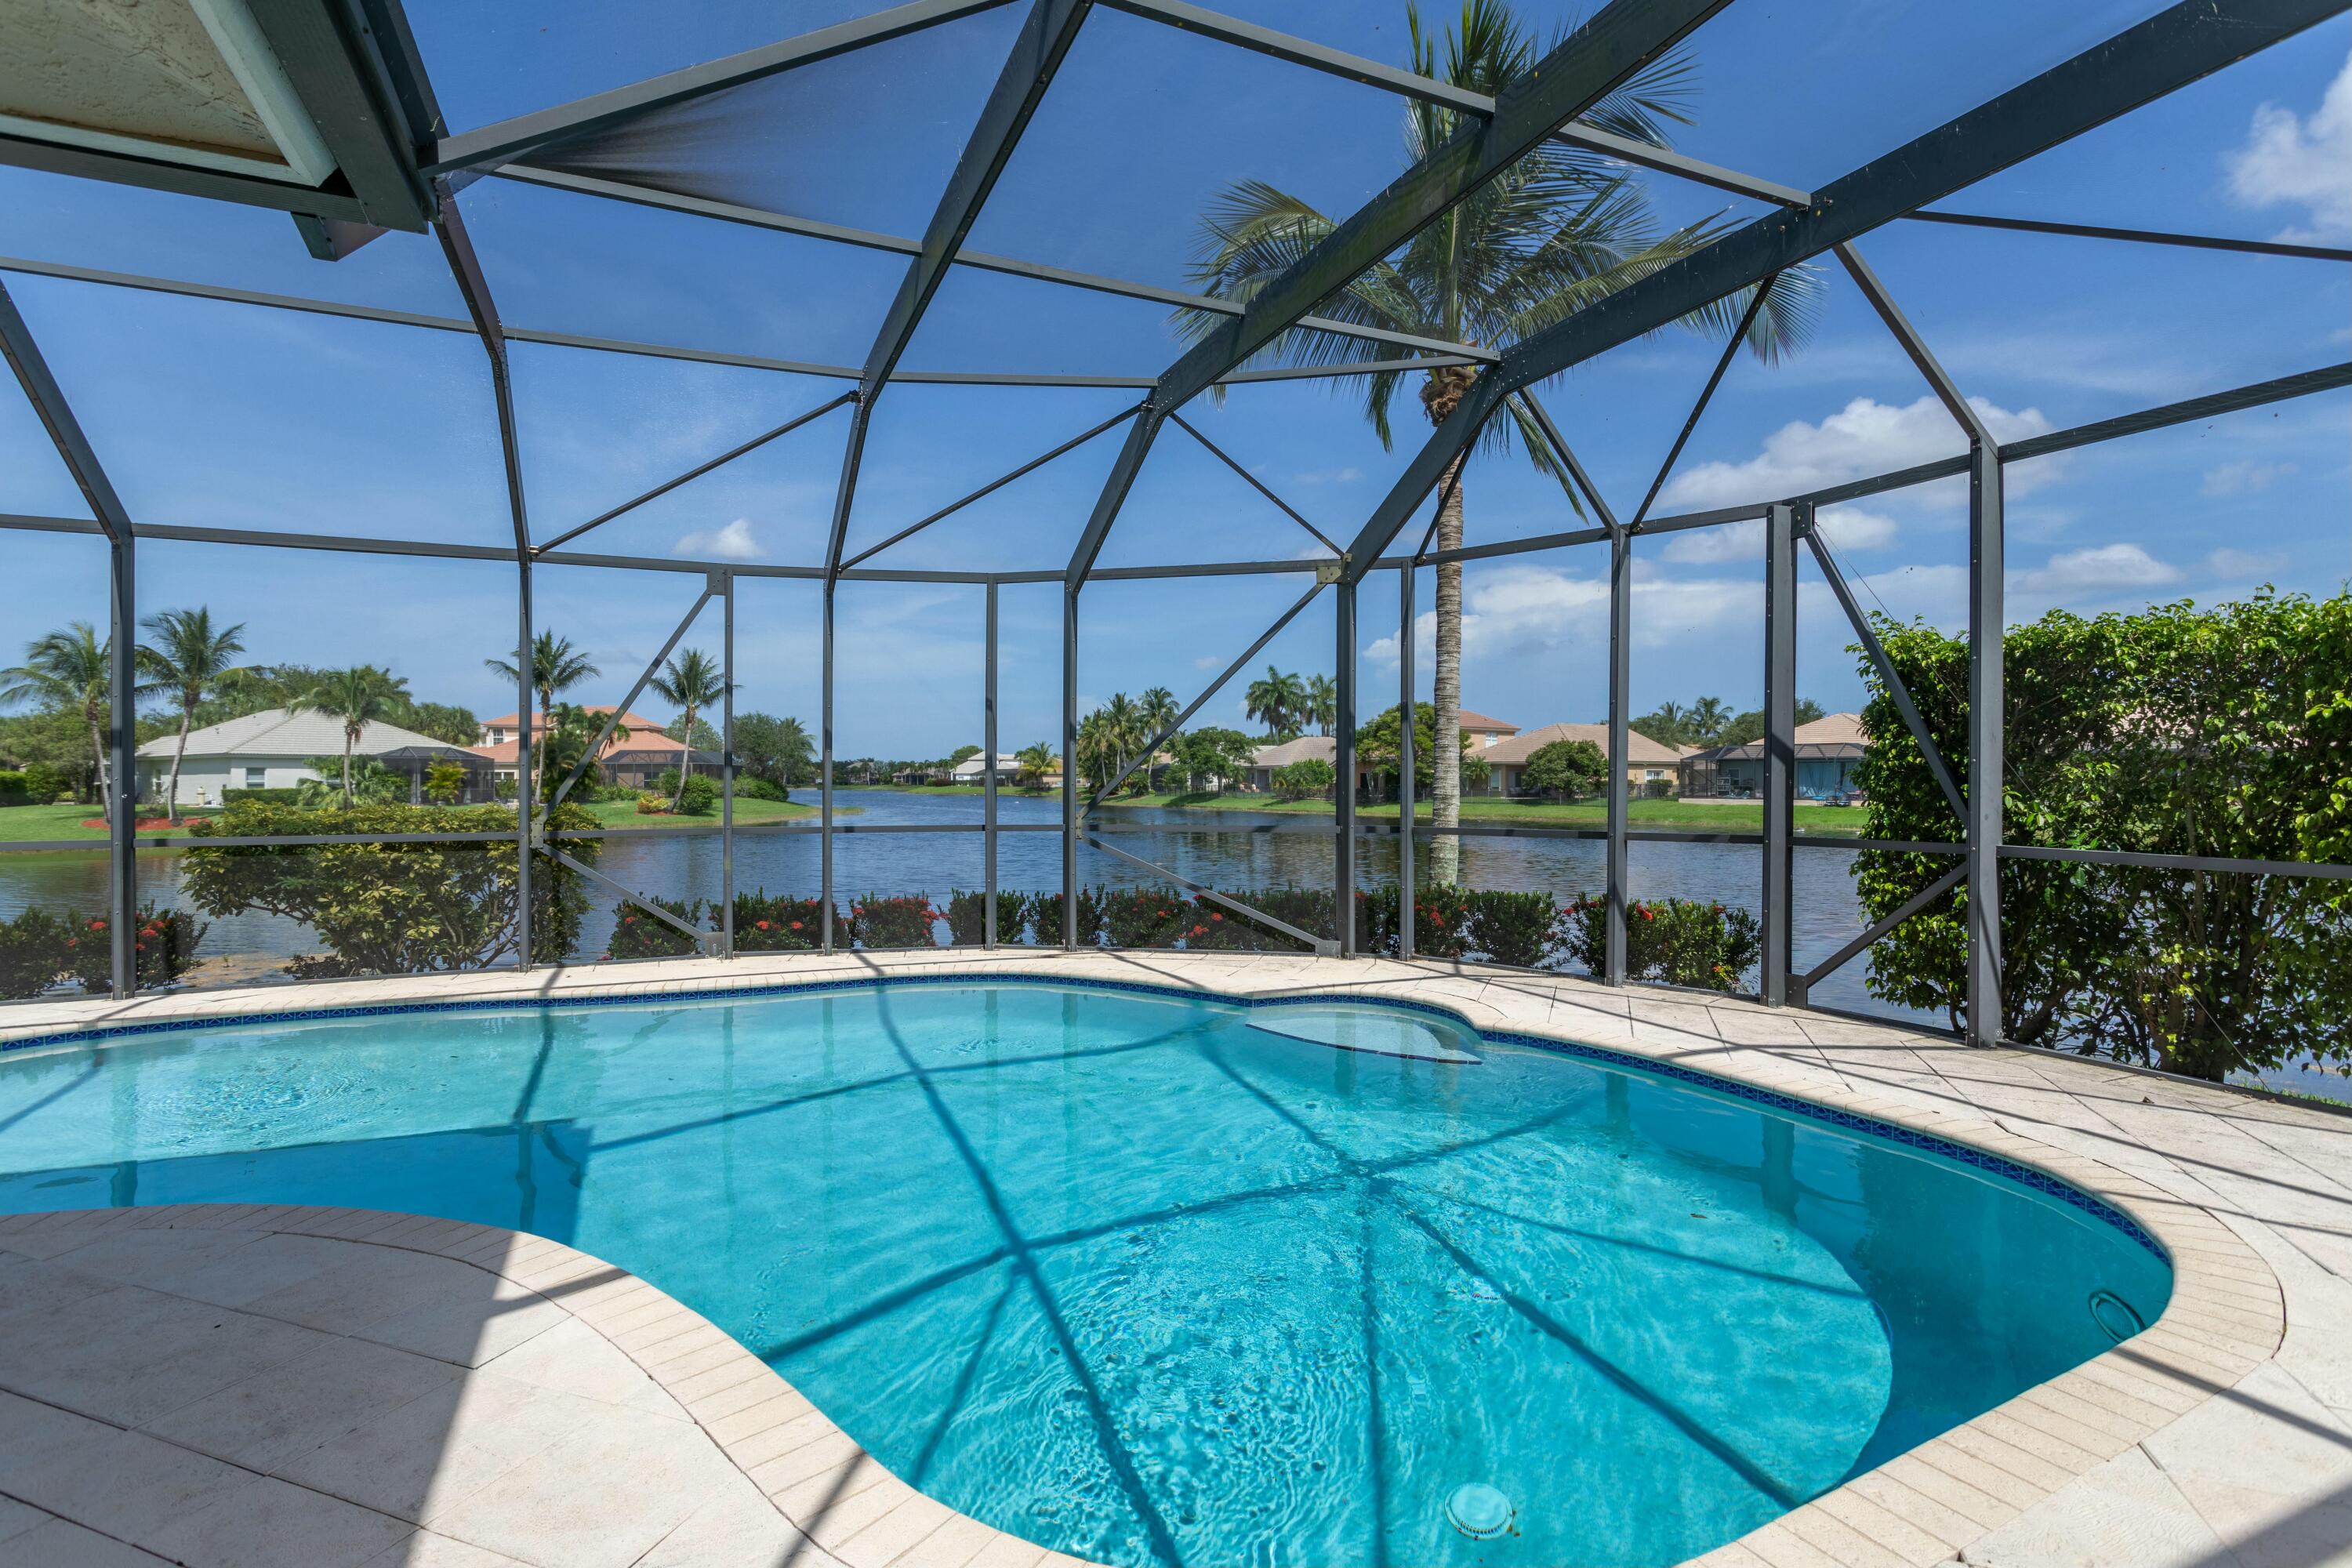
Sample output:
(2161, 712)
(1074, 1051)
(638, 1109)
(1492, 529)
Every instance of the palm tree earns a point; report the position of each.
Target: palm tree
(1123, 728)
(556, 666)
(1035, 761)
(1555, 233)
(1707, 719)
(187, 658)
(359, 696)
(689, 681)
(68, 670)
(1277, 702)
(1322, 703)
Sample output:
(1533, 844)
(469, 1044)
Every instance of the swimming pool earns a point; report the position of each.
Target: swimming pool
(1157, 1279)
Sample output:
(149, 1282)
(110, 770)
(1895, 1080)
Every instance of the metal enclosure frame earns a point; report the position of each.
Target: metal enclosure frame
(402, 168)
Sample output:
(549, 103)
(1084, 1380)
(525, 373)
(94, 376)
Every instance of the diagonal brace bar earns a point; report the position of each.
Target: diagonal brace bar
(754, 444)
(1804, 983)
(1569, 459)
(596, 747)
(1322, 945)
(991, 488)
(1707, 395)
(1896, 691)
(1231, 670)
(707, 941)
(1255, 483)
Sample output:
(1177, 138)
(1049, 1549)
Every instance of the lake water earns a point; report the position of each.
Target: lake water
(1224, 849)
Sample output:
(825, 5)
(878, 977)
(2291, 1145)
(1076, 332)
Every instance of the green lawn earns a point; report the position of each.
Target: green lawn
(625, 814)
(31, 824)
(1691, 816)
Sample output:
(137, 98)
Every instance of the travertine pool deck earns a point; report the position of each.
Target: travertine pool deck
(244, 1387)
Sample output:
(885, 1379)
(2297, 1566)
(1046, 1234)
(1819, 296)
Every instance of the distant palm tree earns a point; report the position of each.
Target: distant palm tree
(1159, 709)
(1322, 703)
(1035, 761)
(1279, 701)
(66, 670)
(1096, 750)
(556, 666)
(692, 680)
(795, 749)
(1554, 234)
(1707, 719)
(188, 660)
(359, 696)
(1122, 728)
(1673, 718)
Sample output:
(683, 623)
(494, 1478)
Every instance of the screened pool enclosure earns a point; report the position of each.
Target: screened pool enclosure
(326, 110)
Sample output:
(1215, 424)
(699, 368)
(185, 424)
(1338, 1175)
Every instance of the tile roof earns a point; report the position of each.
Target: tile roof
(1478, 723)
(1639, 749)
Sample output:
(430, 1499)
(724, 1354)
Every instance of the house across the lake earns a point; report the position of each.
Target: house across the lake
(1827, 750)
(1647, 763)
(637, 755)
(274, 749)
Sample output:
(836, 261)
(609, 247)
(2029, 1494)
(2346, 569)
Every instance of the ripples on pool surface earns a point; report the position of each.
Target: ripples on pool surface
(1138, 1281)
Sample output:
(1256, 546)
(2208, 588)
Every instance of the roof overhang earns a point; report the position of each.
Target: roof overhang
(300, 105)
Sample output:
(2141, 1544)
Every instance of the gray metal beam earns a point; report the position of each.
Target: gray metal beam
(1069, 769)
(1947, 390)
(601, 111)
(80, 458)
(1779, 744)
(458, 249)
(1318, 944)
(978, 260)
(1801, 986)
(2179, 44)
(1706, 394)
(725, 582)
(1618, 882)
(988, 744)
(1408, 816)
(1988, 710)
(1606, 50)
(330, 61)
(992, 486)
(2138, 236)
(1255, 483)
(1343, 785)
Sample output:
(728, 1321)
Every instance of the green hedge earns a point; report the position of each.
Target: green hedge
(392, 909)
(13, 790)
(1683, 942)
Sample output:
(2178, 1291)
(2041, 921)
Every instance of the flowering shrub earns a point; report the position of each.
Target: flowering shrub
(636, 934)
(1683, 942)
(1441, 926)
(781, 924)
(1045, 918)
(37, 950)
(1144, 917)
(967, 917)
(652, 803)
(1512, 928)
(896, 921)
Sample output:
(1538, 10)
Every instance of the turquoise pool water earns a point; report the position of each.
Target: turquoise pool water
(1141, 1279)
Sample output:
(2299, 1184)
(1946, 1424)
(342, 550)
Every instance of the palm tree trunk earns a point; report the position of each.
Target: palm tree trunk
(685, 759)
(172, 789)
(98, 750)
(347, 765)
(1446, 726)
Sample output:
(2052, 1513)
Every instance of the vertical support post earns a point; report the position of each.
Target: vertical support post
(988, 781)
(1779, 743)
(1069, 768)
(1620, 665)
(1987, 705)
(122, 763)
(825, 776)
(1343, 785)
(1406, 817)
(526, 694)
(726, 584)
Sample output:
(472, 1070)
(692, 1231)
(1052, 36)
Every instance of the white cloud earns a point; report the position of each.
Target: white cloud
(2099, 567)
(1865, 437)
(2232, 478)
(2241, 565)
(1515, 611)
(1846, 528)
(1326, 477)
(732, 543)
(2289, 161)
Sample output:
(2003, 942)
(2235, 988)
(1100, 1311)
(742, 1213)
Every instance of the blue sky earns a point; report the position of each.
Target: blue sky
(221, 415)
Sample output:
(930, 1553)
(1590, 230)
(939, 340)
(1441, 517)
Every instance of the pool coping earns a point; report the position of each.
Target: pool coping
(2226, 1318)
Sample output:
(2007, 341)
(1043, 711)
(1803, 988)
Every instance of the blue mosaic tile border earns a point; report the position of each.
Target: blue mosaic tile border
(1787, 1105)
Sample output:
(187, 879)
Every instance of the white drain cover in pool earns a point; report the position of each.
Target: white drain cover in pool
(1383, 1031)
